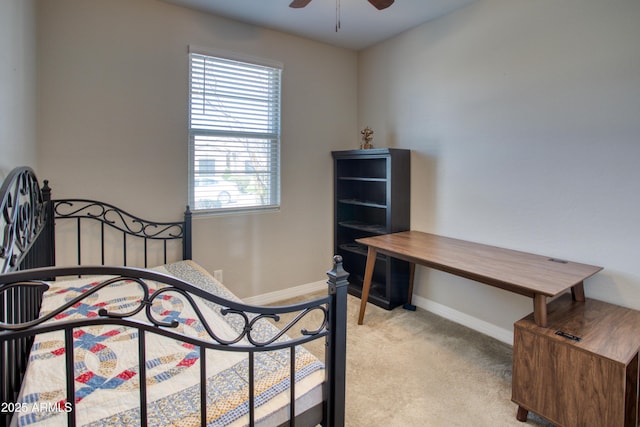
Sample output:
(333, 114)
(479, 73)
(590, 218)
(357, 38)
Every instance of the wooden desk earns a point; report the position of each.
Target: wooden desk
(534, 276)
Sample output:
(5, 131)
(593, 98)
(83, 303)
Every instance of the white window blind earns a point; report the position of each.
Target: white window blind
(234, 134)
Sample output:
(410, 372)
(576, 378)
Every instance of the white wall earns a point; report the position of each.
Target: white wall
(524, 121)
(17, 85)
(113, 126)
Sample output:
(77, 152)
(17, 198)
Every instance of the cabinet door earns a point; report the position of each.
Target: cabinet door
(565, 385)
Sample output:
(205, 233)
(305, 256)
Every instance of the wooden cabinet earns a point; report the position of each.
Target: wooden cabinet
(372, 197)
(581, 370)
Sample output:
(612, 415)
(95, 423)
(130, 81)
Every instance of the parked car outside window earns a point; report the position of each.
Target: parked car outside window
(211, 193)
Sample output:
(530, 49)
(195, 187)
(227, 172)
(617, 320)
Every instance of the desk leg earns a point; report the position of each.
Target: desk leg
(412, 274)
(577, 292)
(366, 284)
(540, 310)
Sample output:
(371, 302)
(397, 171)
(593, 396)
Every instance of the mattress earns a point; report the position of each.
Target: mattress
(106, 368)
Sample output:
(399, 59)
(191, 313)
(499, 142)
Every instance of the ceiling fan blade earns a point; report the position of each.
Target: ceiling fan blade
(381, 4)
(300, 3)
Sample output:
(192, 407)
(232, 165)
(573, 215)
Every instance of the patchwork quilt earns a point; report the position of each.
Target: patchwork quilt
(107, 373)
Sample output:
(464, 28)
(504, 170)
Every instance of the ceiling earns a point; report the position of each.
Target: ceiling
(361, 25)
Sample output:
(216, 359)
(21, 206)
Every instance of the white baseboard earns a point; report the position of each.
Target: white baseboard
(448, 313)
(486, 328)
(284, 294)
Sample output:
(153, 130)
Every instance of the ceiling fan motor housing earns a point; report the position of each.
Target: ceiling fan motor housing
(378, 4)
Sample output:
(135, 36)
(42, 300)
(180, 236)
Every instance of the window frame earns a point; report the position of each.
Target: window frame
(269, 141)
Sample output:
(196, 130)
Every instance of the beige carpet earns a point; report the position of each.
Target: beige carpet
(417, 369)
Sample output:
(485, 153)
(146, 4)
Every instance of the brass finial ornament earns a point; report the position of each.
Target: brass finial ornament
(367, 136)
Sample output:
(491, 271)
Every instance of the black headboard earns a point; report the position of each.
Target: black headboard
(122, 229)
(24, 211)
(29, 217)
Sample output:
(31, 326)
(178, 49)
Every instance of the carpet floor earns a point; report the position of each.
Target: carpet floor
(409, 368)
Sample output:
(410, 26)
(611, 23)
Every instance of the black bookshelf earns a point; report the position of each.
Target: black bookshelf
(372, 197)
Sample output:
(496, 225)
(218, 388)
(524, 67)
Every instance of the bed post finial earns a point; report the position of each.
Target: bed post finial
(337, 343)
(49, 243)
(186, 237)
(46, 191)
(337, 275)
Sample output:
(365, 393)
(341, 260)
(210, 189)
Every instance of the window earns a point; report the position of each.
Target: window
(234, 133)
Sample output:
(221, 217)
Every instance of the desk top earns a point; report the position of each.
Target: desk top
(520, 272)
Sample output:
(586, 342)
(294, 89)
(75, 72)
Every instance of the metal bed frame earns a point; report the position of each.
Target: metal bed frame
(27, 257)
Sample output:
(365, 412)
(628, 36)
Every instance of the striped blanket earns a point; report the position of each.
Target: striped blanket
(106, 367)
